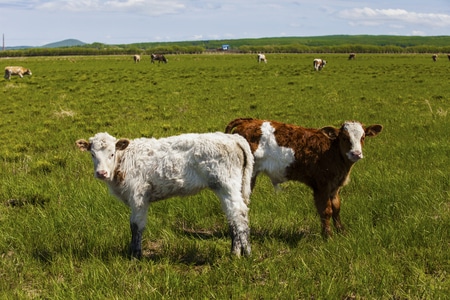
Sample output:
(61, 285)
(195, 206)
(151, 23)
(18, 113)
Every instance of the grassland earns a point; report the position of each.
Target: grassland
(62, 236)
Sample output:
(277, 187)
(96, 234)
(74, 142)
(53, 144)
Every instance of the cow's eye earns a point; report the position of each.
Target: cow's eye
(112, 155)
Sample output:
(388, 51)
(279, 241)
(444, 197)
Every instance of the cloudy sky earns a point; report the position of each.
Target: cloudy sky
(39, 22)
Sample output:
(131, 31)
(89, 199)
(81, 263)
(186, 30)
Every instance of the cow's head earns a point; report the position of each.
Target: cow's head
(351, 137)
(103, 148)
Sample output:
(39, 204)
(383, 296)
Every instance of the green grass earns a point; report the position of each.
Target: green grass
(63, 236)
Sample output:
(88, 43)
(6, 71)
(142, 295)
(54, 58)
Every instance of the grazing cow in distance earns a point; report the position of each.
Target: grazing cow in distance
(159, 58)
(16, 71)
(145, 170)
(351, 56)
(136, 58)
(448, 55)
(320, 158)
(319, 64)
(261, 57)
(435, 57)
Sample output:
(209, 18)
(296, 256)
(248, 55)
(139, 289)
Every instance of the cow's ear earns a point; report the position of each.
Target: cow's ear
(373, 130)
(331, 132)
(83, 145)
(122, 144)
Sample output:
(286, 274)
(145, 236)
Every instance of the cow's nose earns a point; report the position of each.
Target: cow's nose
(101, 174)
(355, 155)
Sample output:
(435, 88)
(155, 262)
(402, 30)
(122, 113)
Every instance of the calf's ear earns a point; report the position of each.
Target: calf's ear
(122, 144)
(83, 145)
(373, 130)
(331, 132)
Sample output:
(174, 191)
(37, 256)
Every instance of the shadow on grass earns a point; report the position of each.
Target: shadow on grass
(186, 253)
(288, 237)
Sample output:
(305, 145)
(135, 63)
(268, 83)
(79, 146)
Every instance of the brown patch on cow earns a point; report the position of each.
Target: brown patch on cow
(119, 175)
(250, 131)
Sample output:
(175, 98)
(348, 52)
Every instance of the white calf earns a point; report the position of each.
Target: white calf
(261, 57)
(145, 170)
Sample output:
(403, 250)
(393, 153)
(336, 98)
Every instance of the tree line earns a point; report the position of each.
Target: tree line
(101, 49)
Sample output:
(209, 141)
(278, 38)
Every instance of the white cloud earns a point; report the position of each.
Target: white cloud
(152, 7)
(375, 17)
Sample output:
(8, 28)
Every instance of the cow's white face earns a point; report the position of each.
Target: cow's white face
(352, 140)
(103, 151)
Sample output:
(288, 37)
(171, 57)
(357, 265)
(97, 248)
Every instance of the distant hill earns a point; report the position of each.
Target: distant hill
(61, 44)
(65, 43)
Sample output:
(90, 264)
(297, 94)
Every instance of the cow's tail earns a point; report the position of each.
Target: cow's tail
(247, 168)
(236, 122)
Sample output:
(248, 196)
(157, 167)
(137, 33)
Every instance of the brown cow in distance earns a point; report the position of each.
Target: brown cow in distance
(15, 70)
(159, 58)
(320, 158)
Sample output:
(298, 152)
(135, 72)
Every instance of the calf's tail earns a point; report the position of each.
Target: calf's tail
(247, 169)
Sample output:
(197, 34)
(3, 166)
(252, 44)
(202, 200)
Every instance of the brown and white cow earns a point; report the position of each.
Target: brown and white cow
(15, 70)
(434, 57)
(159, 58)
(319, 64)
(351, 56)
(320, 158)
(136, 58)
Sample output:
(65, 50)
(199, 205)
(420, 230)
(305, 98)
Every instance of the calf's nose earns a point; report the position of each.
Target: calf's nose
(355, 155)
(101, 174)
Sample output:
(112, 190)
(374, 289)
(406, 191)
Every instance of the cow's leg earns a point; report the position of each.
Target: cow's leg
(138, 221)
(324, 208)
(237, 215)
(336, 206)
(20, 75)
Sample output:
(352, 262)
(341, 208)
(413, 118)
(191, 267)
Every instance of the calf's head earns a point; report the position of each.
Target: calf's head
(103, 148)
(351, 137)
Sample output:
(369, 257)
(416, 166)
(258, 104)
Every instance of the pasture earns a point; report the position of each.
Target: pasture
(63, 236)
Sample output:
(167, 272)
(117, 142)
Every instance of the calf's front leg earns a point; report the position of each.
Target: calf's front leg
(324, 208)
(138, 221)
(136, 241)
(336, 206)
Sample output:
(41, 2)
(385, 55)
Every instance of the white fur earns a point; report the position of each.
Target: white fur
(271, 158)
(355, 132)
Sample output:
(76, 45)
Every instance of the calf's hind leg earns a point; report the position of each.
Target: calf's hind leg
(237, 215)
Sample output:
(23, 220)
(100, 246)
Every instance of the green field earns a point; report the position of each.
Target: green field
(62, 236)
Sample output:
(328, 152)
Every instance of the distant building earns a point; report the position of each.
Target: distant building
(225, 47)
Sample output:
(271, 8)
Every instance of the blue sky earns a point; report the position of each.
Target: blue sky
(39, 22)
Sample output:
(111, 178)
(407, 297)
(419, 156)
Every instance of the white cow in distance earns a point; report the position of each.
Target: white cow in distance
(261, 57)
(146, 170)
